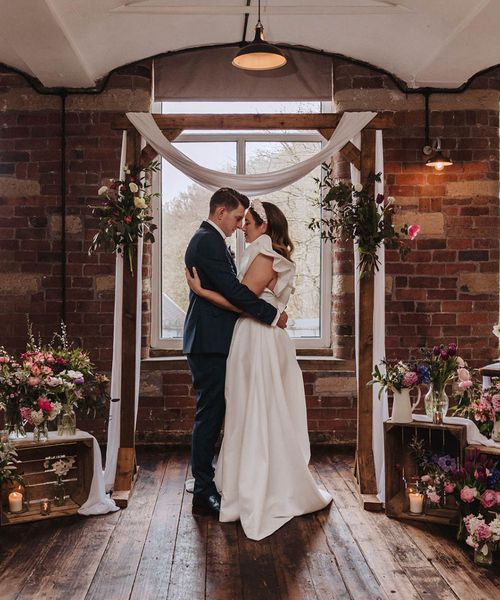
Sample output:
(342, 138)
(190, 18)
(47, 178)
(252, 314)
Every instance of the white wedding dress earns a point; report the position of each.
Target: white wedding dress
(262, 470)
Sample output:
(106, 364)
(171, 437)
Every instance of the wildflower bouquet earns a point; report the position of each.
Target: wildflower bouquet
(482, 406)
(397, 375)
(125, 215)
(352, 212)
(480, 533)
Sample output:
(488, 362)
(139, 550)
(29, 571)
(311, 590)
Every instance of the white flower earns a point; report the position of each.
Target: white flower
(37, 417)
(358, 187)
(54, 381)
(103, 190)
(391, 199)
(56, 409)
(496, 330)
(74, 374)
(133, 187)
(140, 202)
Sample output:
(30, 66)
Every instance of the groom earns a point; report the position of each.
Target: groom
(208, 330)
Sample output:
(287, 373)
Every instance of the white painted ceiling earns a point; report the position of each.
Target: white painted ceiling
(73, 43)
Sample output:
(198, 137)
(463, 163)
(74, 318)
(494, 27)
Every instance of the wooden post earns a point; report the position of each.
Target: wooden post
(126, 463)
(365, 465)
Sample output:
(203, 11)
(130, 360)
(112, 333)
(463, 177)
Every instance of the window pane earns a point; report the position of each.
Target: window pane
(297, 203)
(184, 207)
(222, 108)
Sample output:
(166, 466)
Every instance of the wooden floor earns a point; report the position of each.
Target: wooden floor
(156, 549)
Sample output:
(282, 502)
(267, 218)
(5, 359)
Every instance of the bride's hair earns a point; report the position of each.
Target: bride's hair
(277, 228)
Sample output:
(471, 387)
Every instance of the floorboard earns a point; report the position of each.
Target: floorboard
(157, 550)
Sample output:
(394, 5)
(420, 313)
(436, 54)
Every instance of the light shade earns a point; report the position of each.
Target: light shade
(438, 161)
(259, 55)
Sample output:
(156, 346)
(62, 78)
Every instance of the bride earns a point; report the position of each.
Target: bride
(262, 469)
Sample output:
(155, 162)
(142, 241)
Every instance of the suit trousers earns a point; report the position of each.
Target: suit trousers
(209, 375)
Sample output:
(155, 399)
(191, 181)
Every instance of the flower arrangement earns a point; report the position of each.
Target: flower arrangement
(48, 379)
(60, 464)
(480, 533)
(443, 362)
(482, 406)
(125, 215)
(476, 483)
(354, 213)
(398, 375)
(8, 463)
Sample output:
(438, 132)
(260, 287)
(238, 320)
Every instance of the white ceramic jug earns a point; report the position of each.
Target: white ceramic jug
(402, 407)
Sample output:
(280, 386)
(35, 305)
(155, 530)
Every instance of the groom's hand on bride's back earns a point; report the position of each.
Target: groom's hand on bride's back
(282, 321)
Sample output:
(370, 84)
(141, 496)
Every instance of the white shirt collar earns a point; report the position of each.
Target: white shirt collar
(215, 226)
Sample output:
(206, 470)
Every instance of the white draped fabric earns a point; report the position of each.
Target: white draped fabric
(116, 367)
(380, 407)
(251, 185)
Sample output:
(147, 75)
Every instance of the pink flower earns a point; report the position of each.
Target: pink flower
(33, 381)
(460, 362)
(498, 498)
(127, 219)
(433, 496)
(489, 499)
(482, 532)
(4, 359)
(464, 385)
(26, 414)
(425, 478)
(468, 494)
(413, 231)
(495, 401)
(44, 404)
(449, 488)
(410, 379)
(463, 374)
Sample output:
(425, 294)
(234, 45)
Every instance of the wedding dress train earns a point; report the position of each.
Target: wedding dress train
(262, 470)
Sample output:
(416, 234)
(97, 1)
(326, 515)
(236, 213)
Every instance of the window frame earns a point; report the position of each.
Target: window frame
(323, 341)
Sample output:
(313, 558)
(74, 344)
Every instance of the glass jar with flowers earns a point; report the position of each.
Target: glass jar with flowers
(399, 378)
(482, 536)
(442, 362)
(60, 466)
(125, 215)
(10, 392)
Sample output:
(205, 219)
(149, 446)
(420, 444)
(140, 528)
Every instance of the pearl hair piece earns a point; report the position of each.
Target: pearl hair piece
(258, 207)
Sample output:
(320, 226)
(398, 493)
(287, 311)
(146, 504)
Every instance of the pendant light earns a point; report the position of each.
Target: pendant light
(259, 55)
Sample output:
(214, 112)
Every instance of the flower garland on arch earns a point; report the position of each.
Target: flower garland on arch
(352, 212)
(125, 215)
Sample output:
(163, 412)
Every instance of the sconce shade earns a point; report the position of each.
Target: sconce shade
(259, 55)
(438, 161)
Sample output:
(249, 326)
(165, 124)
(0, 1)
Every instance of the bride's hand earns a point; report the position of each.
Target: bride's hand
(194, 281)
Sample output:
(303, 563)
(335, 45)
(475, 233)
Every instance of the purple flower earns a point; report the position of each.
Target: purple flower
(424, 373)
(78, 380)
(452, 349)
(436, 350)
(447, 463)
(443, 355)
(380, 198)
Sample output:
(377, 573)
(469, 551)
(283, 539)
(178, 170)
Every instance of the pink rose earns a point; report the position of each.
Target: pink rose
(33, 381)
(425, 478)
(413, 231)
(26, 414)
(495, 401)
(468, 494)
(4, 359)
(489, 499)
(463, 374)
(498, 498)
(482, 532)
(449, 488)
(464, 385)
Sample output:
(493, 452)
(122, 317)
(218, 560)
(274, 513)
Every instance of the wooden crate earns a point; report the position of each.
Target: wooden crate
(397, 436)
(40, 481)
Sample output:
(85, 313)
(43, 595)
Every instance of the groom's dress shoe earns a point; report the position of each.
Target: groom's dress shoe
(205, 505)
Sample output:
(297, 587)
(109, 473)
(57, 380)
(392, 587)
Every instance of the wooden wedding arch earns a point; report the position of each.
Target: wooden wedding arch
(364, 160)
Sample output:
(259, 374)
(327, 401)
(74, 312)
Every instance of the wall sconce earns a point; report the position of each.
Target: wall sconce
(436, 157)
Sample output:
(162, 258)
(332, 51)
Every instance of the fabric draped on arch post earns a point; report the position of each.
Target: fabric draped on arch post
(256, 184)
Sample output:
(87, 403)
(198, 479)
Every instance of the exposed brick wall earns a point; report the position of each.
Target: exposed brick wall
(447, 288)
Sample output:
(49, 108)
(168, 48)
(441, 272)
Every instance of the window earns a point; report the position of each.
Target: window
(184, 205)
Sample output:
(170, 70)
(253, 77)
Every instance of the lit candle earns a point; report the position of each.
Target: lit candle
(416, 503)
(438, 418)
(44, 507)
(15, 502)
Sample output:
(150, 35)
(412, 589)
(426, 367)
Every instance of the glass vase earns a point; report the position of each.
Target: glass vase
(67, 422)
(14, 423)
(59, 492)
(484, 555)
(436, 404)
(41, 432)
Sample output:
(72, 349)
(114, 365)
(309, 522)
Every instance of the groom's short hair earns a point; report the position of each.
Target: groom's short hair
(228, 198)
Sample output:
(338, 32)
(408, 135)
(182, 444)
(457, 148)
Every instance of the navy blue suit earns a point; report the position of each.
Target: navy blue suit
(208, 330)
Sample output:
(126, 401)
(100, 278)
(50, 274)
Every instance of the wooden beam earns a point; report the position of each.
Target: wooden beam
(365, 462)
(383, 120)
(148, 153)
(126, 463)
(352, 154)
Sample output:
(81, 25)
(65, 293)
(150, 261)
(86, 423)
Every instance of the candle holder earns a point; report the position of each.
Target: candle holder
(18, 499)
(45, 507)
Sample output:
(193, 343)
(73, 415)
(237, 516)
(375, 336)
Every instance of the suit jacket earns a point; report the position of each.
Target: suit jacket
(208, 329)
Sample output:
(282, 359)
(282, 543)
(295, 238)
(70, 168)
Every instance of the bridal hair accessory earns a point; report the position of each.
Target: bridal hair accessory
(258, 208)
